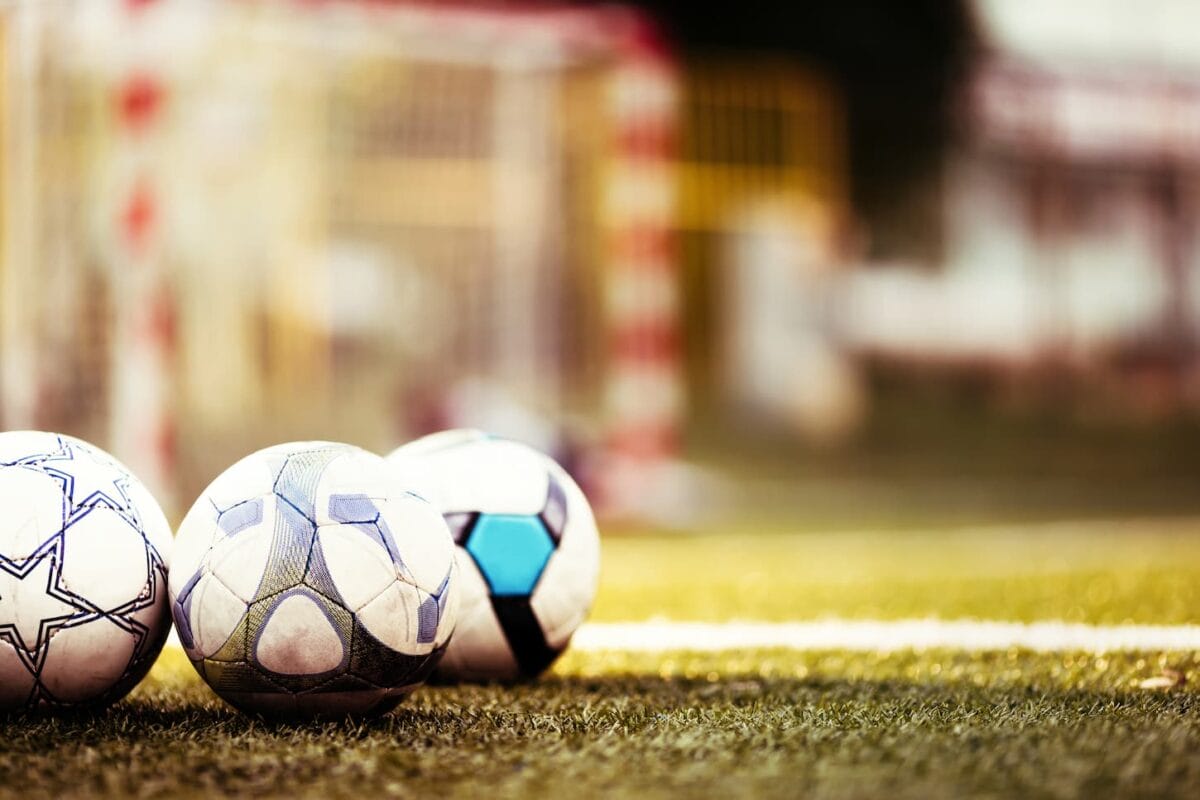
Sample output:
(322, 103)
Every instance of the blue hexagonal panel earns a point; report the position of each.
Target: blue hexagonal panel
(511, 551)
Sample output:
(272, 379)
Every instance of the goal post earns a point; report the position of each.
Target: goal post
(234, 223)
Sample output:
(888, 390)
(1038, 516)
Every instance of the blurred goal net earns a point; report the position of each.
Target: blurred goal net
(230, 224)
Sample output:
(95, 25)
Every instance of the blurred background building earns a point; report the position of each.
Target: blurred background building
(637, 236)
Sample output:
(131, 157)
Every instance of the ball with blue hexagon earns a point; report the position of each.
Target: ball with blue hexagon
(528, 550)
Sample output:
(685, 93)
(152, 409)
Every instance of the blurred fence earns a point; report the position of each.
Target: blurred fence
(227, 224)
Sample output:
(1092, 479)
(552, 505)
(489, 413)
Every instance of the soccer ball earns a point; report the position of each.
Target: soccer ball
(309, 581)
(83, 571)
(528, 550)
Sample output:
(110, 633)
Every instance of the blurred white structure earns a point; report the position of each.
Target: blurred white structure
(1071, 196)
(784, 359)
(1070, 199)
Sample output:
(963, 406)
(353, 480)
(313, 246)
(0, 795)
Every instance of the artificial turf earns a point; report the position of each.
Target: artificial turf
(761, 723)
(1144, 571)
(749, 724)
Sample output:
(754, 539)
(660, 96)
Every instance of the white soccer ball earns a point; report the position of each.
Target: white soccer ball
(83, 572)
(528, 550)
(308, 580)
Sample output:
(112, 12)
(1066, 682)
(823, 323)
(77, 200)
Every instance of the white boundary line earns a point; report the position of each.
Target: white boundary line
(660, 636)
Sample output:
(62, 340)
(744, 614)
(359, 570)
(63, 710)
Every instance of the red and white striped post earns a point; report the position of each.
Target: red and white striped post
(142, 428)
(645, 394)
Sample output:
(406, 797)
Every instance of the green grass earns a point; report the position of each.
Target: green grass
(1104, 573)
(757, 724)
(764, 723)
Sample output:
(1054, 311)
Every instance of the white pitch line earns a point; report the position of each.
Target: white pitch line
(880, 636)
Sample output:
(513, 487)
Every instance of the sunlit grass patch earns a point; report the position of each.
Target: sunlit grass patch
(1102, 573)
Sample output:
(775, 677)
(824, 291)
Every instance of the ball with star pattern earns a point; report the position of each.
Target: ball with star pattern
(83, 572)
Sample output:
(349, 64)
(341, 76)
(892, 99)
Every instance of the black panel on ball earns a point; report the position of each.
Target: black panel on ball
(524, 634)
(460, 525)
